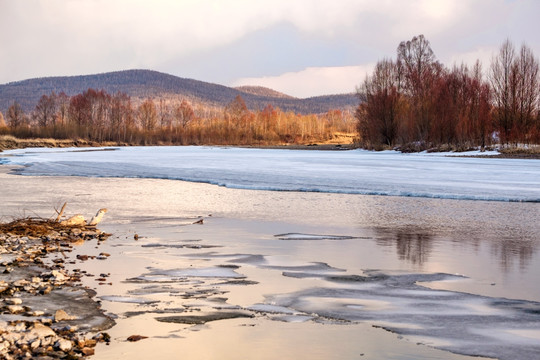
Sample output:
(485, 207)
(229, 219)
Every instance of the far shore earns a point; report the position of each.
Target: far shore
(11, 143)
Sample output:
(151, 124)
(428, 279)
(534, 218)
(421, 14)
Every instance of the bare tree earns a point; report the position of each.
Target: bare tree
(380, 102)
(515, 83)
(16, 116)
(184, 114)
(503, 82)
(45, 110)
(2, 121)
(148, 115)
(419, 72)
(528, 89)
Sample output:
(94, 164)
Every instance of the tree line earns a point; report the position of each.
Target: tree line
(97, 116)
(415, 102)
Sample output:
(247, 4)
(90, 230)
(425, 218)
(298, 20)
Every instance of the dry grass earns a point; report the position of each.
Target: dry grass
(342, 138)
(521, 150)
(8, 142)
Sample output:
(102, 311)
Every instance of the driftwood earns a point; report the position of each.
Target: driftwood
(61, 212)
(79, 220)
(97, 218)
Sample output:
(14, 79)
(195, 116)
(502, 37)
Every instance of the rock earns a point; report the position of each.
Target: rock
(35, 344)
(61, 315)
(87, 351)
(134, 338)
(13, 301)
(58, 276)
(63, 345)
(15, 309)
(41, 331)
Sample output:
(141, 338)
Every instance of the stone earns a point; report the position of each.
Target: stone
(87, 351)
(13, 301)
(61, 315)
(63, 345)
(35, 344)
(134, 338)
(15, 309)
(41, 331)
(58, 276)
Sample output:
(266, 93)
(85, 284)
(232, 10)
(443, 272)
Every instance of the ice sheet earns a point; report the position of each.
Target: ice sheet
(460, 322)
(352, 172)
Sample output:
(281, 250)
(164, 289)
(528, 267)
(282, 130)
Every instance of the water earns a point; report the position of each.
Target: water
(316, 271)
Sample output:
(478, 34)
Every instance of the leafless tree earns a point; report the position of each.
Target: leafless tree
(45, 110)
(515, 83)
(147, 115)
(16, 116)
(380, 102)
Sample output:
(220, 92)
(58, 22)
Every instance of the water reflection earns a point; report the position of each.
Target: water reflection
(417, 244)
(412, 244)
(511, 251)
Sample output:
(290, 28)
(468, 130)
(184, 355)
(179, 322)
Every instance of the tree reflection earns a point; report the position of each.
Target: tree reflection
(412, 244)
(416, 244)
(512, 250)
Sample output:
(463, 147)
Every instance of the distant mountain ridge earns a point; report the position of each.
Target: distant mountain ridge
(154, 84)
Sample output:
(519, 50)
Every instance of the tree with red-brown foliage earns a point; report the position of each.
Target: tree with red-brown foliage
(417, 103)
(381, 108)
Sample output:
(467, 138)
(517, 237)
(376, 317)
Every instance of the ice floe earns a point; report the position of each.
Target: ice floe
(459, 322)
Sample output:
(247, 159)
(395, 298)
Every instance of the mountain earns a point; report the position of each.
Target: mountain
(141, 84)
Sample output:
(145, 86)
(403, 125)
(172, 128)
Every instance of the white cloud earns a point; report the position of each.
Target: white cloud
(313, 81)
(69, 37)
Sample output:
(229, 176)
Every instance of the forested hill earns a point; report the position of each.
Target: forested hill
(140, 84)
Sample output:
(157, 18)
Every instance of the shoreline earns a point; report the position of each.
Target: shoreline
(11, 143)
(44, 309)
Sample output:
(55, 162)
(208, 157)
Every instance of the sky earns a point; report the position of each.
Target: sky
(300, 47)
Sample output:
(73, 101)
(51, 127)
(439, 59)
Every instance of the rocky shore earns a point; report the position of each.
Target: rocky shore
(45, 313)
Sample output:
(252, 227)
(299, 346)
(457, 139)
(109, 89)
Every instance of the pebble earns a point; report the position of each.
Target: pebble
(64, 345)
(61, 315)
(34, 337)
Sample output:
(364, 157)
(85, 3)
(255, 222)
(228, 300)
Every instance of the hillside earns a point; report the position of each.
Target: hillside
(263, 91)
(146, 83)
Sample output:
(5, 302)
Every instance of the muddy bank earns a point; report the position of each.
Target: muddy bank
(44, 311)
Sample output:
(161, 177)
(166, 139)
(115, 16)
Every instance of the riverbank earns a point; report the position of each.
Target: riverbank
(10, 143)
(44, 310)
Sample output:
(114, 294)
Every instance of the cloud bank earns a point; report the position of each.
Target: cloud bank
(276, 42)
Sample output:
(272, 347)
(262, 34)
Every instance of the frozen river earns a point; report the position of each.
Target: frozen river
(315, 270)
(349, 172)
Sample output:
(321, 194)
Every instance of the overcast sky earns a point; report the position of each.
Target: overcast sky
(300, 47)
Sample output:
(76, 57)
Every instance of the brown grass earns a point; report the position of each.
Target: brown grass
(8, 142)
